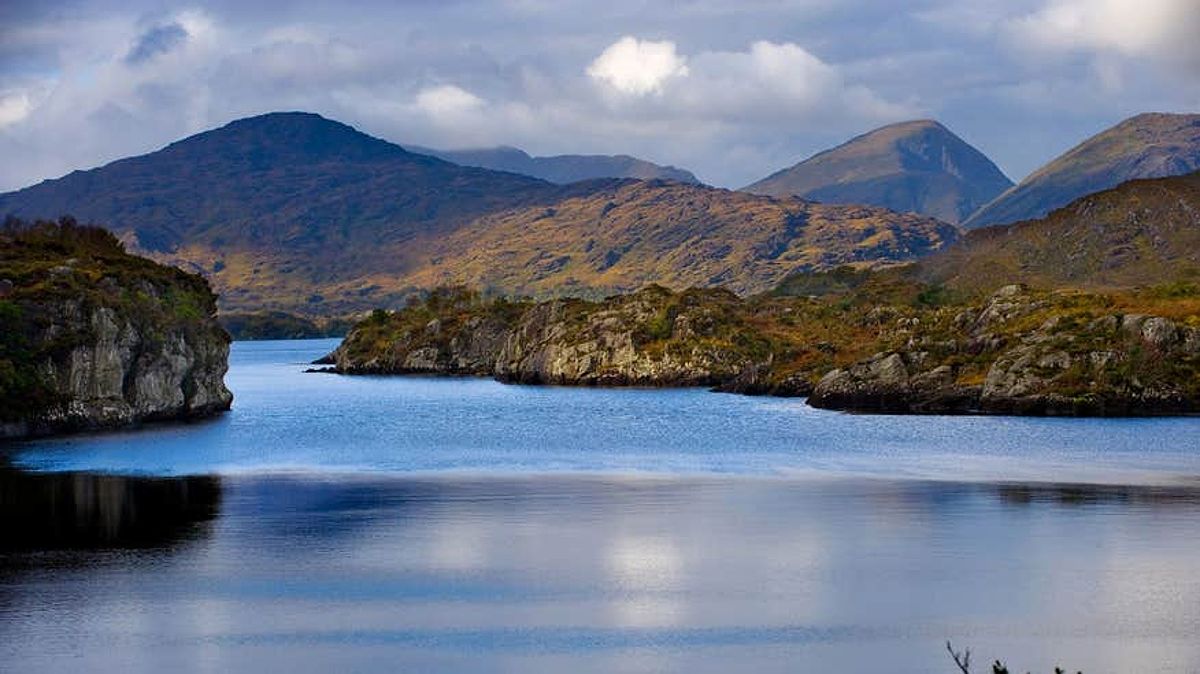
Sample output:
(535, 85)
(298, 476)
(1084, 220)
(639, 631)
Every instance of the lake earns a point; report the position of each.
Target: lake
(414, 524)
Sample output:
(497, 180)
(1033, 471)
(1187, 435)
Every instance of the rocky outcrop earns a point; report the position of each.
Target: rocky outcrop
(1068, 364)
(100, 340)
(654, 337)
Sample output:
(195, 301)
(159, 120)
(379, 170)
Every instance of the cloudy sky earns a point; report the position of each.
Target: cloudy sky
(730, 90)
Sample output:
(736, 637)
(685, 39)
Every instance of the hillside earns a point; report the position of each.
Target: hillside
(918, 166)
(618, 236)
(294, 212)
(1150, 145)
(561, 169)
(1142, 233)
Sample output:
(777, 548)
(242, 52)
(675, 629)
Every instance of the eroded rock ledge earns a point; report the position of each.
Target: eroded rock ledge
(97, 339)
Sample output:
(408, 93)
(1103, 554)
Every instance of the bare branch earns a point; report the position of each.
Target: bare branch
(962, 660)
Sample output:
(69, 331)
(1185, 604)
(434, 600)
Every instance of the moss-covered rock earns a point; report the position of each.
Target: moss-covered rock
(94, 338)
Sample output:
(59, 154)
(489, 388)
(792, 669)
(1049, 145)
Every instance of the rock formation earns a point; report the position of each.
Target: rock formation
(1071, 363)
(98, 339)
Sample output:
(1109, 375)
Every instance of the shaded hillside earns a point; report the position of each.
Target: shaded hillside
(1143, 232)
(281, 325)
(620, 235)
(562, 169)
(1150, 145)
(918, 166)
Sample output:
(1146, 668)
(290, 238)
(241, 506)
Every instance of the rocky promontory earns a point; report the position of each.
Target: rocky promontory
(95, 338)
(1022, 352)
(885, 347)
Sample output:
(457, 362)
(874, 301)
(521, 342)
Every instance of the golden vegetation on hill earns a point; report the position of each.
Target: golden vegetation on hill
(623, 235)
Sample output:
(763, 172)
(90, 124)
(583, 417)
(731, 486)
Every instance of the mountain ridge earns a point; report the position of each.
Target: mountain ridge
(294, 212)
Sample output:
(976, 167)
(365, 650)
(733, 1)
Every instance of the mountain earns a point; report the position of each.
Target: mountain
(1141, 233)
(918, 166)
(274, 208)
(1150, 145)
(266, 180)
(291, 211)
(563, 168)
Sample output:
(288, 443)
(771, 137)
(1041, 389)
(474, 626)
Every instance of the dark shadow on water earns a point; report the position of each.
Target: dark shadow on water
(1021, 494)
(62, 511)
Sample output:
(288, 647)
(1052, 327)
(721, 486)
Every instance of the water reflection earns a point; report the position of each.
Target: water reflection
(603, 574)
(83, 510)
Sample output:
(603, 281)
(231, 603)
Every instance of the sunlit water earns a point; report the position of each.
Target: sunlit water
(407, 524)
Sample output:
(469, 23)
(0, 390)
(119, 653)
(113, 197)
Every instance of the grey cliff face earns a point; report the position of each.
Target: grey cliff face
(120, 373)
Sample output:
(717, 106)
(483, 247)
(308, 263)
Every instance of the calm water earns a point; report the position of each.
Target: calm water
(396, 524)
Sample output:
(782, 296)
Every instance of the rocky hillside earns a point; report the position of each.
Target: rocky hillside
(293, 212)
(563, 168)
(1142, 233)
(94, 338)
(1022, 352)
(1150, 145)
(918, 166)
(617, 236)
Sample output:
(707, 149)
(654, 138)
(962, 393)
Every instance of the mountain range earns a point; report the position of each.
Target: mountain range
(561, 169)
(1149, 145)
(918, 166)
(294, 211)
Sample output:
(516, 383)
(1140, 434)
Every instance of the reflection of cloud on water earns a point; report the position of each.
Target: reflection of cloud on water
(458, 546)
(645, 563)
(645, 569)
(643, 611)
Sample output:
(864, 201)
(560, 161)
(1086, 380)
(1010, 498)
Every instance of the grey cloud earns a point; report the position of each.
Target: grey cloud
(156, 41)
(412, 72)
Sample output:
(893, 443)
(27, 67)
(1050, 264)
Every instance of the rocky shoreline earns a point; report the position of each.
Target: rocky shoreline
(1017, 352)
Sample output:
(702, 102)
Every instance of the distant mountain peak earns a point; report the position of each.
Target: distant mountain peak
(1149, 145)
(917, 165)
(563, 168)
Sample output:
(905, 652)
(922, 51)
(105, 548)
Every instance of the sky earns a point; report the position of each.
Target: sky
(731, 90)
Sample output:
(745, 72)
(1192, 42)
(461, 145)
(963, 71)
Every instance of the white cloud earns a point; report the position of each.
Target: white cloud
(768, 83)
(14, 107)
(638, 67)
(447, 100)
(1162, 29)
